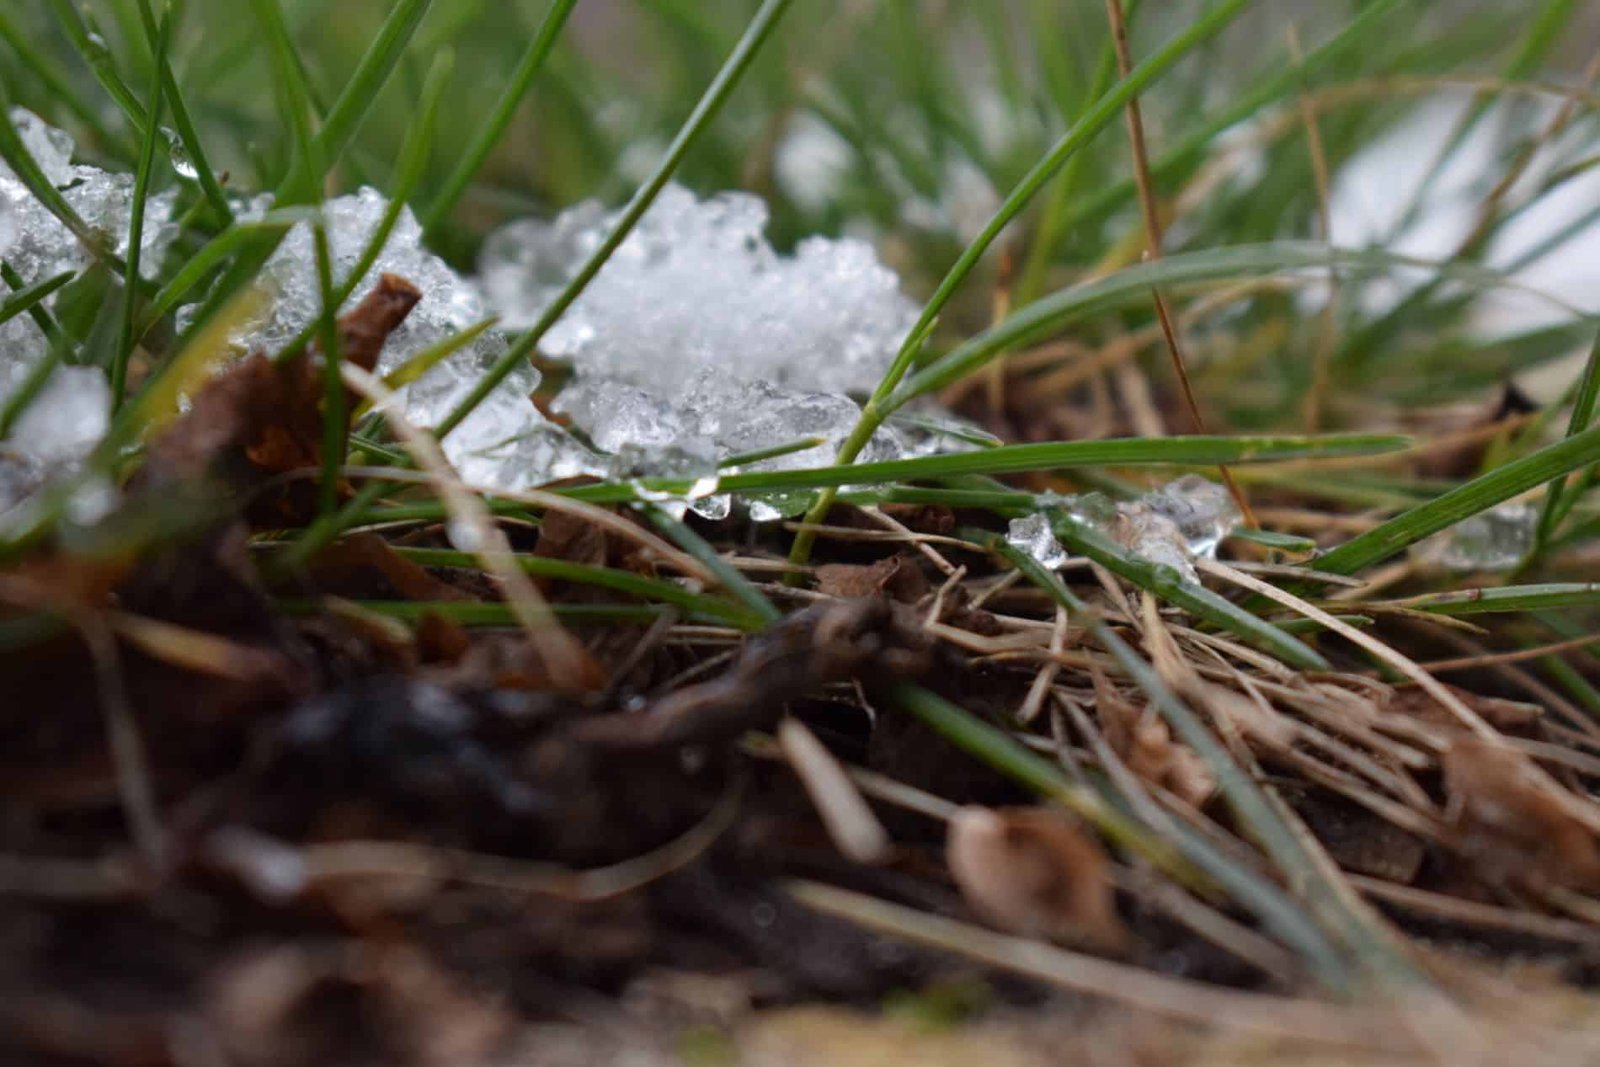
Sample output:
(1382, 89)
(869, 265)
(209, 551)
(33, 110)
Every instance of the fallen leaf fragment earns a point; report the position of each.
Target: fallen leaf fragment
(1145, 744)
(1513, 821)
(1034, 872)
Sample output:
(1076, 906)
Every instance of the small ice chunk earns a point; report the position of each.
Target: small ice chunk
(1173, 525)
(1202, 510)
(1032, 534)
(37, 245)
(1492, 540)
(52, 437)
(63, 423)
(696, 286)
(533, 259)
(50, 148)
(1149, 533)
(68, 417)
(449, 303)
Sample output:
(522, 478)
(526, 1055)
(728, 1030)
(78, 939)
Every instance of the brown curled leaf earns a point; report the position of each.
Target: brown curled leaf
(897, 576)
(1513, 821)
(363, 565)
(263, 417)
(1145, 744)
(1036, 873)
(1509, 716)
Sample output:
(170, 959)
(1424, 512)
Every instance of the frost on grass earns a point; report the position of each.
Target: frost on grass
(1494, 540)
(698, 343)
(1174, 525)
(505, 443)
(69, 413)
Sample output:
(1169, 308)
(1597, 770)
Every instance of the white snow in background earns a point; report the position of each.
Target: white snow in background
(1371, 191)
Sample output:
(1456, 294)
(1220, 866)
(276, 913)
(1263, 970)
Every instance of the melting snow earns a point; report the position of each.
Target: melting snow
(1493, 540)
(69, 415)
(1180, 522)
(697, 342)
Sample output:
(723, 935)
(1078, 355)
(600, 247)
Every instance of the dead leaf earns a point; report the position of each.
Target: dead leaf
(263, 417)
(1513, 821)
(1510, 716)
(357, 563)
(319, 1003)
(897, 576)
(1035, 873)
(1143, 741)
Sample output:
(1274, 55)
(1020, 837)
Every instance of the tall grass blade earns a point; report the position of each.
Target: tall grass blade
(500, 117)
(126, 336)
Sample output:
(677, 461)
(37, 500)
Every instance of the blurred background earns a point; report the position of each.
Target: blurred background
(1441, 130)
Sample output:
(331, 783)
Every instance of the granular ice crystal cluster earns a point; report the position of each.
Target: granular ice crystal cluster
(70, 412)
(1174, 525)
(697, 348)
(697, 342)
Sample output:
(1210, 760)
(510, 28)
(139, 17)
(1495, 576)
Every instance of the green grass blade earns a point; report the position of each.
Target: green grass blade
(1583, 406)
(188, 136)
(413, 164)
(721, 87)
(735, 583)
(303, 182)
(1131, 284)
(37, 311)
(333, 399)
(1166, 583)
(500, 117)
(1015, 459)
(434, 354)
(91, 46)
(61, 88)
(126, 334)
(653, 590)
(25, 299)
(1507, 598)
(351, 106)
(1101, 114)
(23, 165)
(1464, 501)
(1354, 38)
(215, 253)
